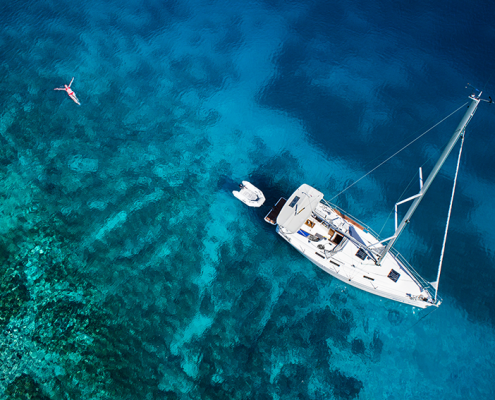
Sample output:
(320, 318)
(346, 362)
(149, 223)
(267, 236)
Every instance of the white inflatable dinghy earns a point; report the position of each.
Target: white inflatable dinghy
(250, 195)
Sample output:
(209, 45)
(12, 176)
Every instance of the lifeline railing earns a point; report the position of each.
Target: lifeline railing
(407, 267)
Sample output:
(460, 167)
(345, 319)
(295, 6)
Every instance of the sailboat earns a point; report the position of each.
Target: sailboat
(348, 250)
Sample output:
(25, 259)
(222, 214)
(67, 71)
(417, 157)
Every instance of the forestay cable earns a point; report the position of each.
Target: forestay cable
(448, 219)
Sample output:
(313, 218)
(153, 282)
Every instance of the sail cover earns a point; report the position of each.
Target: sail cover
(299, 208)
(355, 235)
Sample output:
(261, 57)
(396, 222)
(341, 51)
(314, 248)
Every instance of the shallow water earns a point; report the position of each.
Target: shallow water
(129, 271)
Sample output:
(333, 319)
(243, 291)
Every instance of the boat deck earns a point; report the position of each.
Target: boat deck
(338, 245)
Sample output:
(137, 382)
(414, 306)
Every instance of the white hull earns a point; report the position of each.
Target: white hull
(250, 195)
(344, 249)
(340, 274)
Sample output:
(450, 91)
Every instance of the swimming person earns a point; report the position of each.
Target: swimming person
(70, 92)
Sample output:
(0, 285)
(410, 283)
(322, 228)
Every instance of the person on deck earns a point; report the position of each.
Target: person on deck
(70, 92)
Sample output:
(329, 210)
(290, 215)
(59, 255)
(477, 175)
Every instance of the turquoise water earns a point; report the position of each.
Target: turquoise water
(129, 271)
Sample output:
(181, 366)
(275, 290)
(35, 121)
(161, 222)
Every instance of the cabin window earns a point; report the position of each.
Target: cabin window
(337, 238)
(294, 202)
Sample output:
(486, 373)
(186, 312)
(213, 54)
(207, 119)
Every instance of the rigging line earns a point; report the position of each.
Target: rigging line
(397, 152)
(423, 317)
(401, 196)
(448, 220)
(393, 208)
(408, 137)
(486, 83)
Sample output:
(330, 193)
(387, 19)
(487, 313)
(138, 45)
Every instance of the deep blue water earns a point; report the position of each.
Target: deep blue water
(128, 269)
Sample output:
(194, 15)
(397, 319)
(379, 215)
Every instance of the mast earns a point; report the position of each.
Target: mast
(453, 140)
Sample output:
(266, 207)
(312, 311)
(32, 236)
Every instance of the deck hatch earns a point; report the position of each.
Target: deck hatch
(361, 254)
(294, 202)
(394, 275)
